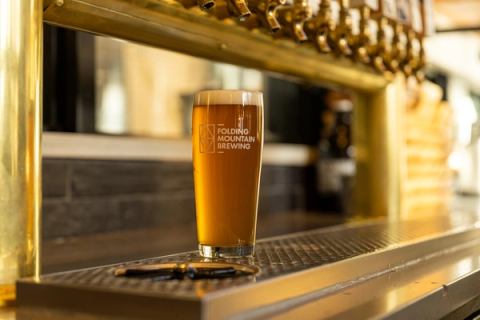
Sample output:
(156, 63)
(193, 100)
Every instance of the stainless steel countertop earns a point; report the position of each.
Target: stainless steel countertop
(425, 268)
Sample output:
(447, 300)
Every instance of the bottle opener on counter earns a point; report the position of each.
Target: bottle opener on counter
(192, 270)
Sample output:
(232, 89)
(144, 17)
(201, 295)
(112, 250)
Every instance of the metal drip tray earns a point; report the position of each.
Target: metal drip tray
(294, 269)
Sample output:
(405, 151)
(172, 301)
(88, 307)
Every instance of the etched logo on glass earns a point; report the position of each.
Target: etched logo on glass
(207, 138)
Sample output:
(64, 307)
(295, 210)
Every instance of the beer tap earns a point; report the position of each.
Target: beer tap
(362, 41)
(384, 47)
(386, 13)
(403, 46)
(414, 58)
(266, 10)
(418, 71)
(226, 8)
(398, 52)
(292, 18)
(366, 40)
(411, 58)
(320, 28)
(240, 8)
(425, 27)
(343, 30)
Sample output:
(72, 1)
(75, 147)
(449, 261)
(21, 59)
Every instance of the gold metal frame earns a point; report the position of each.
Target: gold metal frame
(20, 130)
(169, 25)
(379, 145)
(166, 24)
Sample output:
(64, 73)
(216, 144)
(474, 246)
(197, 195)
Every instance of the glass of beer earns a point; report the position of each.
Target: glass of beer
(227, 139)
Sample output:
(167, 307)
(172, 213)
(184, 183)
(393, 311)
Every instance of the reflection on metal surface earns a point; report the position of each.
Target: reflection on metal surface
(145, 91)
(20, 128)
(296, 270)
(423, 291)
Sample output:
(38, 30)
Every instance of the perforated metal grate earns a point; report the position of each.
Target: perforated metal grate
(276, 257)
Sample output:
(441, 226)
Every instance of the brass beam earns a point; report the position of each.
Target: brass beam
(379, 145)
(20, 131)
(166, 24)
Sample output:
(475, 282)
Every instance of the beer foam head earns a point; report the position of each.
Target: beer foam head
(228, 97)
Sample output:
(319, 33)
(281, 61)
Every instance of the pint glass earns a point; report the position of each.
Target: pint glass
(227, 139)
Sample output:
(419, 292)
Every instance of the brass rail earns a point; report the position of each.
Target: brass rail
(167, 24)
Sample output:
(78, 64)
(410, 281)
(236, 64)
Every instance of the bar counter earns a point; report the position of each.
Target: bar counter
(425, 268)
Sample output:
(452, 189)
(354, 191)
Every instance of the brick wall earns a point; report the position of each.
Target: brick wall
(94, 196)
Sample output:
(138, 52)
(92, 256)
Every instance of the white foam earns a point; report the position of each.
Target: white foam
(228, 97)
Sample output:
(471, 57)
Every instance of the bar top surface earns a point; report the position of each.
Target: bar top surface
(313, 263)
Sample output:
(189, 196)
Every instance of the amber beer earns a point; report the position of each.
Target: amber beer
(227, 136)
